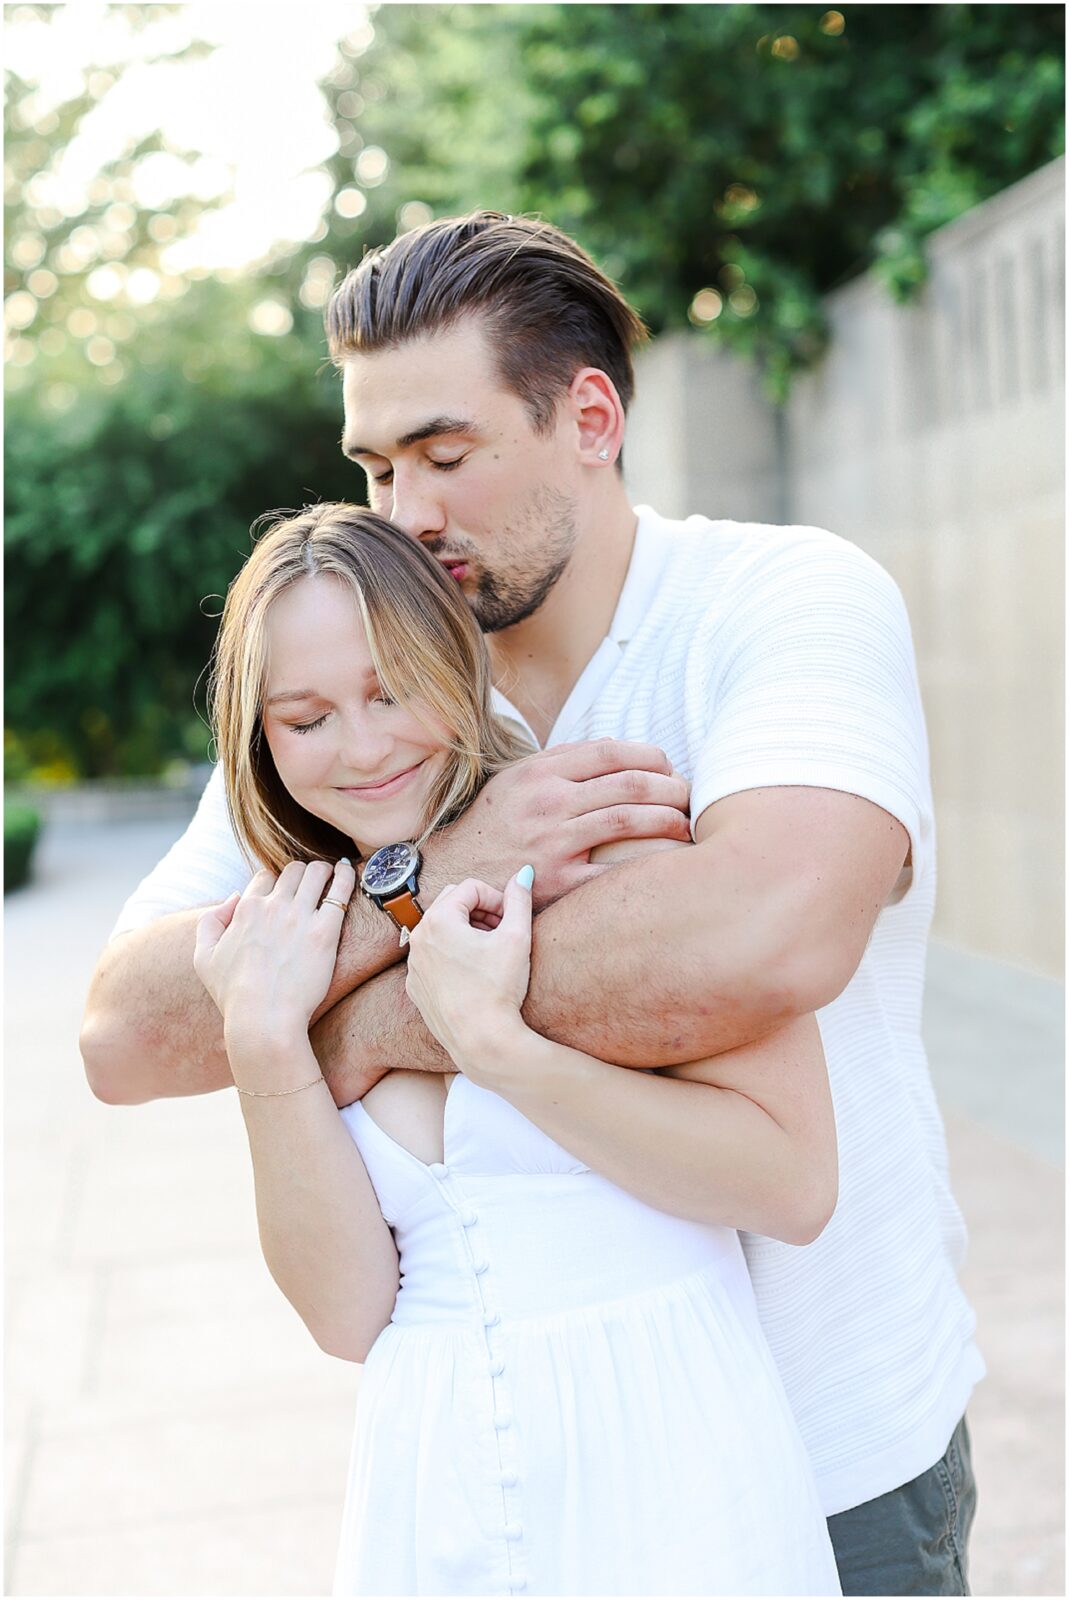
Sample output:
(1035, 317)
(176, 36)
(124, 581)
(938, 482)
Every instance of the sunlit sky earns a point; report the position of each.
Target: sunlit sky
(252, 108)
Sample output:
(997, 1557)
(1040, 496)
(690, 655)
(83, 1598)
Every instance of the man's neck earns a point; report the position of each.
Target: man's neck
(538, 663)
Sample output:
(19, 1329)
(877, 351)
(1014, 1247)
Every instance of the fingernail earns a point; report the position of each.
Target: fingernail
(525, 877)
(343, 861)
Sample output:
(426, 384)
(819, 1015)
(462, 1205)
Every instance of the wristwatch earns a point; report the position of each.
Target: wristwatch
(391, 878)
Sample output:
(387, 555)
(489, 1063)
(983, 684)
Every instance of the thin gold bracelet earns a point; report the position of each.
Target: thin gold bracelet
(274, 1094)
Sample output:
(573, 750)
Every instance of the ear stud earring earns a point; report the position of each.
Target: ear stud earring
(603, 455)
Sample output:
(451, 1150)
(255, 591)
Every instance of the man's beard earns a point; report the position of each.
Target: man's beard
(501, 600)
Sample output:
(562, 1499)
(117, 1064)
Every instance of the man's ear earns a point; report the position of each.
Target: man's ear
(599, 416)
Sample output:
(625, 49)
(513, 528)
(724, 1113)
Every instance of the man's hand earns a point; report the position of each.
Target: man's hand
(552, 809)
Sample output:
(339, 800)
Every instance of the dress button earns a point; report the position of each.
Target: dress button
(508, 1479)
(502, 1420)
(513, 1531)
(491, 1319)
(469, 1218)
(496, 1368)
(437, 1170)
(480, 1267)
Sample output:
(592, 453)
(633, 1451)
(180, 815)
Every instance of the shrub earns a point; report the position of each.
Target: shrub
(22, 824)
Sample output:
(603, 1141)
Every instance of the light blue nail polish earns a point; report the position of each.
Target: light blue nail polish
(343, 861)
(525, 877)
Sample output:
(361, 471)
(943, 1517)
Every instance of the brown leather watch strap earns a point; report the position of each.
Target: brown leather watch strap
(404, 910)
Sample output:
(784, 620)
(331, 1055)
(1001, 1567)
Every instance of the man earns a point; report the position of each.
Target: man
(486, 368)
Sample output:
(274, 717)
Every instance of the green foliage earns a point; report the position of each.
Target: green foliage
(128, 516)
(142, 441)
(21, 827)
(761, 153)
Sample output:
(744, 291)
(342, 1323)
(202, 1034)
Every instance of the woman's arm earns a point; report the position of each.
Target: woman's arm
(266, 958)
(745, 1139)
(322, 1233)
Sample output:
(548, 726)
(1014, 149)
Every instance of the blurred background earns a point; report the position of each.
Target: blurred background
(845, 229)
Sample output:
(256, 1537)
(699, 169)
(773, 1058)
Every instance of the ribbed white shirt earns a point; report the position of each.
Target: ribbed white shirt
(758, 656)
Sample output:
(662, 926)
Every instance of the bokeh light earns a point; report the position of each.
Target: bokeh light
(271, 317)
(249, 106)
(413, 214)
(350, 203)
(705, 307)
(318, 281)
(743, 301)
(371, 166)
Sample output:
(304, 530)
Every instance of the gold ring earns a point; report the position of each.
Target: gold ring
(344, 904)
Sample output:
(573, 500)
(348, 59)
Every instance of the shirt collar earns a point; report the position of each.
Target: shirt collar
(649, 556)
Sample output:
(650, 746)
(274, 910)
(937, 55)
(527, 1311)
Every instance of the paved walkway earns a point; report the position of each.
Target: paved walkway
(172, 1429)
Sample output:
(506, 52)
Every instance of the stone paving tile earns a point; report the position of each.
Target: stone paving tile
(51, 1335)
(203, 1354)
(206, 1461)
(1014, 1277)
(162, 1209)
(284, 1549)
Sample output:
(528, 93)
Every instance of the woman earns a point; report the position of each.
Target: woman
(566, 1389)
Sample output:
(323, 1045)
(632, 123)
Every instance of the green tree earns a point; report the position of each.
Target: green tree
(144, 436)
(128, 516)
(729, 164)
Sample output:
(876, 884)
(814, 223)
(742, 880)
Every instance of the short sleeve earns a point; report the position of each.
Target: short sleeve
(805, 675)
(201, 868)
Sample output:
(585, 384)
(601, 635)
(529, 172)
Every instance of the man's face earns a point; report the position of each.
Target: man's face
(452, 458)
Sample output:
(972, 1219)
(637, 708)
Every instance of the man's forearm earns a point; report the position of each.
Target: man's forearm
(369, 1033)
(151, 1029)
(628, 969)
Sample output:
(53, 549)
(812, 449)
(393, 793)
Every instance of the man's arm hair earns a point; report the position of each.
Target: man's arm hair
(151, 1030)
(689, 954)
(676, 956)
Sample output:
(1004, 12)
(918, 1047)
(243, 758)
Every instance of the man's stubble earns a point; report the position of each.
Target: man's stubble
(544, 538)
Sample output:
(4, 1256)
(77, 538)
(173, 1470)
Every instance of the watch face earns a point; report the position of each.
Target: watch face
(389, 868)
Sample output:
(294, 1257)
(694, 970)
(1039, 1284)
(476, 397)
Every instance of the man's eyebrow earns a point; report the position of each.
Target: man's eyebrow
(427, 430)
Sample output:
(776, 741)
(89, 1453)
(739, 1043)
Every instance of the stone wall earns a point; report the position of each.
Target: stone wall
(933, 436)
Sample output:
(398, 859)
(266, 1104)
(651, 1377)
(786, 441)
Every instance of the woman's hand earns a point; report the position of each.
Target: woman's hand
(266, 956)
(469, 964)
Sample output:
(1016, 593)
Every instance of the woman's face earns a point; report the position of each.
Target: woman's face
(343, 749)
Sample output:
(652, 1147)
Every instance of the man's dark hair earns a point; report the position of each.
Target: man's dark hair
(547, 308)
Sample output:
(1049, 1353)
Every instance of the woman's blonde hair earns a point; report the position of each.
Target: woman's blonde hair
(424, 642)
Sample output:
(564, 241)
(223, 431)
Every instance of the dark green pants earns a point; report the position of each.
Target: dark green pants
(913, 1540)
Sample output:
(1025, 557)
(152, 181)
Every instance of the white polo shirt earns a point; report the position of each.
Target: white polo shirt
(754, 657)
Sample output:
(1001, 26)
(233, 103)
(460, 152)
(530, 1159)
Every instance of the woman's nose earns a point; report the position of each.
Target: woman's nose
(366, 744)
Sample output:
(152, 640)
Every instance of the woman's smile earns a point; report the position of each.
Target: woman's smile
(385, 787)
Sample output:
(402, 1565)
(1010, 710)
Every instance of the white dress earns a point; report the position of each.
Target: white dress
(574, 1395)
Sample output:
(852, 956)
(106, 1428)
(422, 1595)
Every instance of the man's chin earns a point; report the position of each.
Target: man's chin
(496, 609)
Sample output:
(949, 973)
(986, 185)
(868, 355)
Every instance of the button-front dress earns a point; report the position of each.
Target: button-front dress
(574, 1395)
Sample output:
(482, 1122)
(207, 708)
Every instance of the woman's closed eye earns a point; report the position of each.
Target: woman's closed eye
(381, 698)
